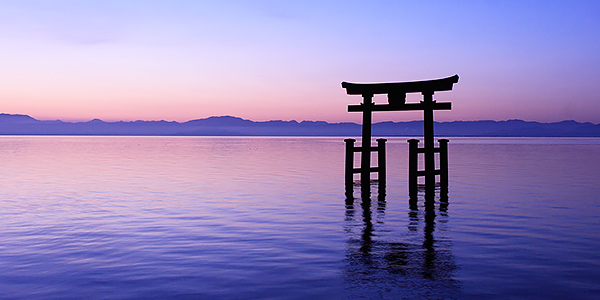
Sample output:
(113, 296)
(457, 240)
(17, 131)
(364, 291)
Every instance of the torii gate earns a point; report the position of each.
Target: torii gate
(397, 102)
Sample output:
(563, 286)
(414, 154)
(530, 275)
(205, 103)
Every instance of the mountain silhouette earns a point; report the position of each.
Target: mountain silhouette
(14, 124)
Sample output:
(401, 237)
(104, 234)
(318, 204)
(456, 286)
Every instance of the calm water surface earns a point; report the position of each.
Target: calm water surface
(206, 218)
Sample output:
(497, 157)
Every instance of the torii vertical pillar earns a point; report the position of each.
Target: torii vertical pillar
(428, 137)
(365, 155)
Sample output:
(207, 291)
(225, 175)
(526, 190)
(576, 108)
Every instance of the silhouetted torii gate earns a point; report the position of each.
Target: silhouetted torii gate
(396, 102)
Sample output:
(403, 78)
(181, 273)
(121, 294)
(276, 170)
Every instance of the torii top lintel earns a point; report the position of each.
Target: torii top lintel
(426, 86)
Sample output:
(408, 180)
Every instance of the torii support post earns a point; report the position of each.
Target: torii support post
(349, 169)
(381, 161)
(413, 167)
(443, 167)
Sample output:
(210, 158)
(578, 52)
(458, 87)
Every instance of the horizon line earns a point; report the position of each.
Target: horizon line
(298, 121)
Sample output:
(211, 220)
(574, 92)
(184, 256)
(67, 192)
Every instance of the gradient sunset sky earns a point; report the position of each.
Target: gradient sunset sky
(285, 60)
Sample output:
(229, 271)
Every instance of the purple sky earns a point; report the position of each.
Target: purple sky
(261, 60)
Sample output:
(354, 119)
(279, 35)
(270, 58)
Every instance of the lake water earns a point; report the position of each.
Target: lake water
(244, 218)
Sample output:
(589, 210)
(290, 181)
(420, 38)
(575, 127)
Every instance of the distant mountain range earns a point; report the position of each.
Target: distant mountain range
(11, 124)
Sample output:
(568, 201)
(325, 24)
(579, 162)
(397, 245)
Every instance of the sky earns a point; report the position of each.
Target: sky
(285, 60)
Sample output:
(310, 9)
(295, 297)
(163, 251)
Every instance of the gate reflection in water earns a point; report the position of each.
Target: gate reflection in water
(414, 263)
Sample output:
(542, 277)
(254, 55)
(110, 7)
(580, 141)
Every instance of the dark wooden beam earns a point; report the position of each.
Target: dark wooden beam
(399, 107)
(426, 86)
